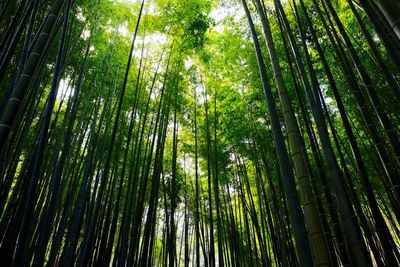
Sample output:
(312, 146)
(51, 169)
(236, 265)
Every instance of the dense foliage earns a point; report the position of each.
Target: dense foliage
(199, 133)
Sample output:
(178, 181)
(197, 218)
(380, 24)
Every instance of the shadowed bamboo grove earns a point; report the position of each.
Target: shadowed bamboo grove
(200, 133)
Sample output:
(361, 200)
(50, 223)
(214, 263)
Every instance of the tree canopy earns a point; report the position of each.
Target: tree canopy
(199, 133)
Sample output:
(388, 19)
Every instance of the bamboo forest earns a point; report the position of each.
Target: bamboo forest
(200, 133)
